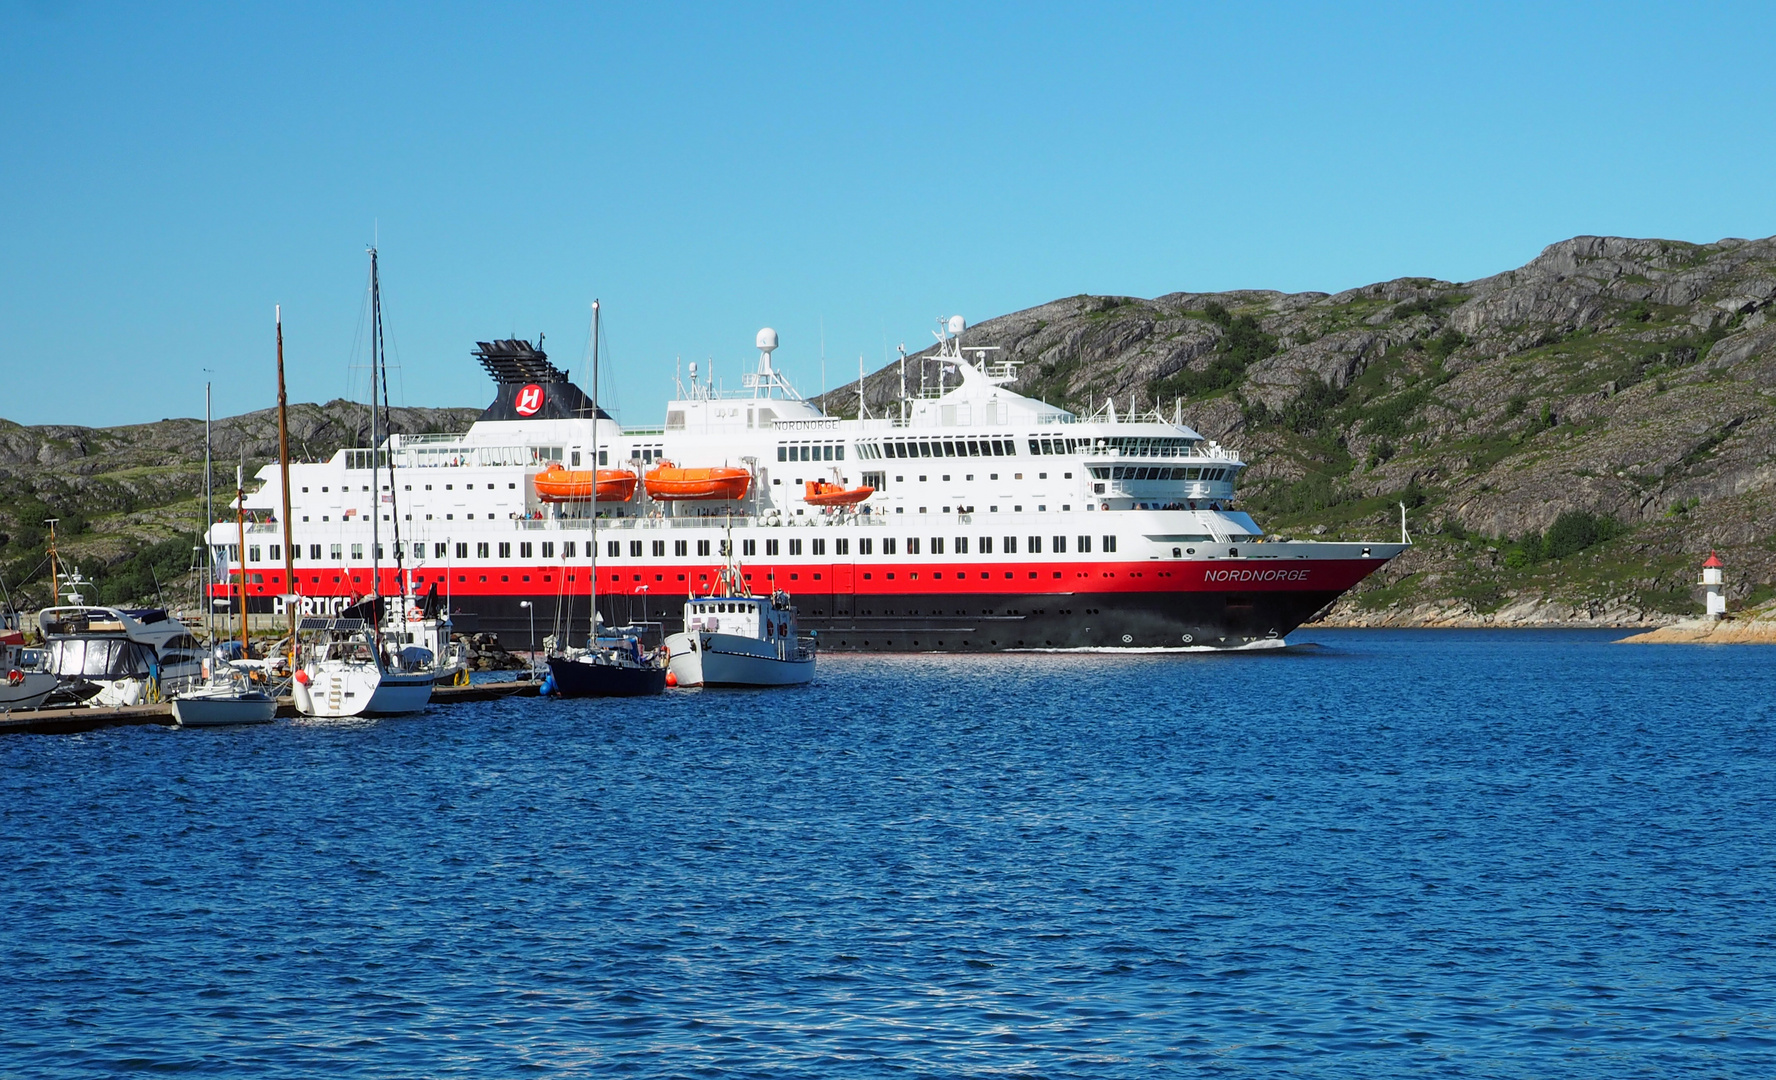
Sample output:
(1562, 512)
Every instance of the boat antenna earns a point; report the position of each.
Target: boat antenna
(1405, 538)
(290, 590)
(862, 412)
(375, 515)
(823, 405)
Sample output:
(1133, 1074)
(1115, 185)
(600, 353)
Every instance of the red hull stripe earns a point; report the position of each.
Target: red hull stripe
(861, 579)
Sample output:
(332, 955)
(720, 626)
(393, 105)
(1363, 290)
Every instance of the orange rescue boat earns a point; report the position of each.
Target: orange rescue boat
(556, 484)
(667, 482)
(821, 493)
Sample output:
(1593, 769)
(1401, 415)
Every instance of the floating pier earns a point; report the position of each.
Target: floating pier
(83, 718)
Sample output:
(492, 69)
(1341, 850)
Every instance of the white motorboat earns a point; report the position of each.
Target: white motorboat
(22, 687)
(117, 656)
(733, 638)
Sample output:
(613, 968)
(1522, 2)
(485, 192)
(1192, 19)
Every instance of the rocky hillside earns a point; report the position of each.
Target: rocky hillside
(1571, 437)
(130, 499)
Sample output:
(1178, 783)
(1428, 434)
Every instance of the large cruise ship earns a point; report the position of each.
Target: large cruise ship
(990, 521)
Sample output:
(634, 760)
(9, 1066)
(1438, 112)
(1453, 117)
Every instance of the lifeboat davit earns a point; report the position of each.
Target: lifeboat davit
(821, 493)
(667, 482)
(556, 484)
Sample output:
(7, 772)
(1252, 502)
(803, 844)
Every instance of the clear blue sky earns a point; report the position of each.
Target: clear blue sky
(171, 172)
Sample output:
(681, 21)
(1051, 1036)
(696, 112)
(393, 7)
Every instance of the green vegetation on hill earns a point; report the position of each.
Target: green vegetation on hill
(1574, 435)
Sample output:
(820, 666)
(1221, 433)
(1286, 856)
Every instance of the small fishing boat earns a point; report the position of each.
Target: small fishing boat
(821, 493)
(559, 484)
(667, 482)
(733, 638)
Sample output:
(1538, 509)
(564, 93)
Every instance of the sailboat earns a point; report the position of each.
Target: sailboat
(611, 664)
(223, 694)
(351, 668)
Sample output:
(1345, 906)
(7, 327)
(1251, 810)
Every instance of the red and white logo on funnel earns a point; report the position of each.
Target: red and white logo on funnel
(529, 400)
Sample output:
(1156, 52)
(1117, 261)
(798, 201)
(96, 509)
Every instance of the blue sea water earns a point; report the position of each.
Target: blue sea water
(1489, 854)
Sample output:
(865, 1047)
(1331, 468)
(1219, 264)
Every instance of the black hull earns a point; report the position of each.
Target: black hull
(982, 623)
(575, 680)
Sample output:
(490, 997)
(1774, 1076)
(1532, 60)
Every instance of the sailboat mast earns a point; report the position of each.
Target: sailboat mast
(240, 518)
(209, 520)
(594, 473)
(284, 470)
(375, 441)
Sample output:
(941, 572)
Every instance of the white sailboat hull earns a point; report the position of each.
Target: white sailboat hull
(199, 709)
(716, 659)
(338, 688)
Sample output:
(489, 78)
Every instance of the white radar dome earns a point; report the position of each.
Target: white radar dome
(767, 339)
(957, 325)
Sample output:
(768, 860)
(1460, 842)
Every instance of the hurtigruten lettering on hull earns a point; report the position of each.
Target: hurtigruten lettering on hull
(971, 518)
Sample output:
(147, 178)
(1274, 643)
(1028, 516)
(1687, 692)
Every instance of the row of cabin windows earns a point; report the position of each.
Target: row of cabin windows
(682, 548)
(1157, 472)
(811, 452)
(1131, 446)
(928, 448)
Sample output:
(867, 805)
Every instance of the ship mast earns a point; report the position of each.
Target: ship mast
(284, 469)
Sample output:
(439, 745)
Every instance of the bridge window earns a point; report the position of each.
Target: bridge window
(961, 545)
(887, 545)
(524, 549)
(505, 550)
(681, 548)
(1109, 544)
(1085, 545)
(569, 548)
(1035, 545)
(937, 545)
(795, 547)
(635, 549)
(749, 547)
(912, 545)
(613, 549)
(864, 544)
(819, 547)
(1010, 545)
(770, 547)
(659, 549)
(1060, 545)
(986, 545)
(703, 547)
(841, 546)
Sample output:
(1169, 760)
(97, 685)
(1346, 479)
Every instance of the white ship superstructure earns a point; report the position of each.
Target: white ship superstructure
(995, 521)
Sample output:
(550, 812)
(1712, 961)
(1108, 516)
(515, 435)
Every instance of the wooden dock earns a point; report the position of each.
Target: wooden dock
(63, 721)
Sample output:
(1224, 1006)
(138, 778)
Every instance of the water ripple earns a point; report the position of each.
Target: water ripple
(1464, 854)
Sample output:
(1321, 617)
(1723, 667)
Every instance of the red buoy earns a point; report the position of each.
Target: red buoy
(671, 679)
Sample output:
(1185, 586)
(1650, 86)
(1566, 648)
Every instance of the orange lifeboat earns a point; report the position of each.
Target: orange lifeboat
(821, 493)
(667, 482)
(556, 484)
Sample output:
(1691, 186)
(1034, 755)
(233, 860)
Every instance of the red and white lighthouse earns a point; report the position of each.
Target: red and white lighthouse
(1711, 580)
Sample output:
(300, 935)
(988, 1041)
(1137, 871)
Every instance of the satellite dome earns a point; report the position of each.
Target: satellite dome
(767, 339)
(957, 325)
